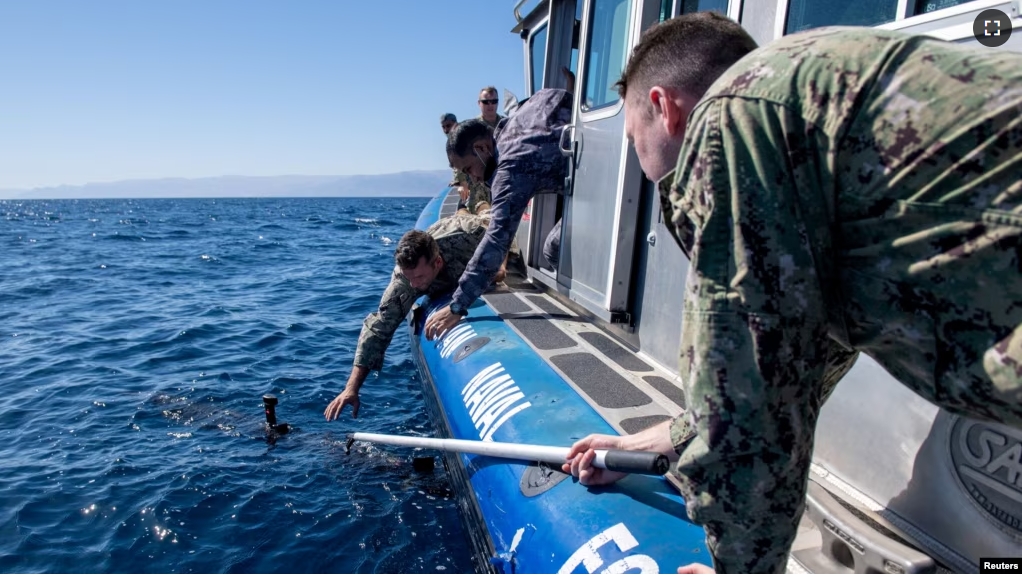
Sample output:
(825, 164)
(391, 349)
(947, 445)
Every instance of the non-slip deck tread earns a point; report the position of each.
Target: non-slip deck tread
(637, 424)
(673, 392)
(600, 382)
(507, 303)
(541, 333)
(615, 352)
(548, 306)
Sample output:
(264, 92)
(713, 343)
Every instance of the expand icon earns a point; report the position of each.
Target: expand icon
(992, 28)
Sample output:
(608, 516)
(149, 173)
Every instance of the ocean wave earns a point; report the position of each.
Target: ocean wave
(133, 392)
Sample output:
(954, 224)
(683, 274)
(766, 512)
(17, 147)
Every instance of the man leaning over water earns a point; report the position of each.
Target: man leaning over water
(427, 263)
(837, 191)
(521, 159)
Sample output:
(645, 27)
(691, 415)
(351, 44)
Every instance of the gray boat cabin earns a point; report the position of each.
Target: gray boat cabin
(897, 485)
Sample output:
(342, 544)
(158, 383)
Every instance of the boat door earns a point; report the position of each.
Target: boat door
(661, 267)
(601, 206)
(550, 34)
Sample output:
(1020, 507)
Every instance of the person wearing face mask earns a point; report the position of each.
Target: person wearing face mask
(427, 262)
(518, 160)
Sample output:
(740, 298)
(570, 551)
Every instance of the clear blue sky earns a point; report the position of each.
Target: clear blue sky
(101, 90)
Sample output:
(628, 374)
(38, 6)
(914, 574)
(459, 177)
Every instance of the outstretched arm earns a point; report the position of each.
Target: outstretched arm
(377, 331)
(580, 456)
(511, 194)
(349, 396)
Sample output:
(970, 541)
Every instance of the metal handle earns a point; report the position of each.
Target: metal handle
(518, 7)
(850, 545)
(567, 141)
(569, 149)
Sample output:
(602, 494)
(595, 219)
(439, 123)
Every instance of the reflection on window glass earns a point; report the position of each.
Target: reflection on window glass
(665, 9)
(537, 49)
(606, 51)
(806, 14)
(927, 6)
(689, 6)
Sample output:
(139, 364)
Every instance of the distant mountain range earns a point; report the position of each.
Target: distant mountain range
(401, 184)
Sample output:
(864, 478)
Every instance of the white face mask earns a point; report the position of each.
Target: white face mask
(481, 161)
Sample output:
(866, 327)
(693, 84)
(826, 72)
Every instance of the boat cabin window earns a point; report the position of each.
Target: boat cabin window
(606, 52)
(689, 6)
(806, 14)
(537, 50)
(574, 40)
(927, 6)
(665, 10)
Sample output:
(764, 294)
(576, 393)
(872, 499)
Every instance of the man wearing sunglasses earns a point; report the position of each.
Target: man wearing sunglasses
(488, 106)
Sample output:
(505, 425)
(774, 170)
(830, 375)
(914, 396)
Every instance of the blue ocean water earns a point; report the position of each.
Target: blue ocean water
(137, 338)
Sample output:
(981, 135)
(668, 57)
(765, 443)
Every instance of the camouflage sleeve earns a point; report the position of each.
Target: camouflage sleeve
(754, 346)
(379, 327)
(479, 200)
(510, 193)
(456, 178)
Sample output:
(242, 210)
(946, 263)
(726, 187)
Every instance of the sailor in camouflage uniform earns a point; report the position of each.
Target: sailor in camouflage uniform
(488, 101)
(519, 160)
(475, 196)
(477, 201)
(837, 191)
(427, 263)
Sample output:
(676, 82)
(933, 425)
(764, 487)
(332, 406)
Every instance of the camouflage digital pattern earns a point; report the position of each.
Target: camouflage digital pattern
(529, 162)
(492, 124)
(457, 237)
(479, 193)
(479, 198)
(838, 191)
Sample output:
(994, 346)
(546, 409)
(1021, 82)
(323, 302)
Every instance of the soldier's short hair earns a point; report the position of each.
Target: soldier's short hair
(461, 138)
(687, 53)
(448, 117)
(488, 90)
(413, 246)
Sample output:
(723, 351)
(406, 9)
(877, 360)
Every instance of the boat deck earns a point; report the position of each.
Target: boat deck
(631, 392)
(628, 389)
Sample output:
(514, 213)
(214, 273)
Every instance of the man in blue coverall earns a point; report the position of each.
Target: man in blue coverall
(519, 159)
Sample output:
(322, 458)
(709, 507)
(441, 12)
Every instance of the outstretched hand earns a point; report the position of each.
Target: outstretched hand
(441, 322)
(580, 460)
(347, 397)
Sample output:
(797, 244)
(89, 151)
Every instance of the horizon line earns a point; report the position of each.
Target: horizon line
(222, 176)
